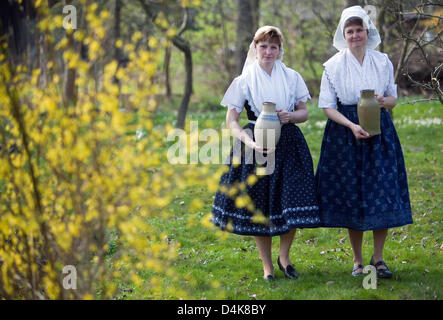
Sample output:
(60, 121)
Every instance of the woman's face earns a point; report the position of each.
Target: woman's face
(267, 52)
(356, 36)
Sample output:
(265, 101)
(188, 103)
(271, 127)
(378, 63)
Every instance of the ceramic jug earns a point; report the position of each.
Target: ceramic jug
(267, 127)
(368, 111)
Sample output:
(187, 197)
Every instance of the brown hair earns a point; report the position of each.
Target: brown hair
(353, 21)
(270, 35)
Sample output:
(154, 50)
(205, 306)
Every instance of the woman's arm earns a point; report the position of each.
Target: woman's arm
(238, 132)
(389, 101)
(386, 102)
(336, 116)
(298, 116)
(327, 100)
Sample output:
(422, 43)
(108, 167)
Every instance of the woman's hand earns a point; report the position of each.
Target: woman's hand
(299, 115)
(284, 116)
(359, 132)
(238, 132)
(381, 100)
(386, 102)
(253, 145)
(336, 116)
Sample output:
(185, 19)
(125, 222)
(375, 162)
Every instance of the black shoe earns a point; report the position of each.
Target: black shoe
(290, 272)
(382, 273)
(270, 277)
(354, 270)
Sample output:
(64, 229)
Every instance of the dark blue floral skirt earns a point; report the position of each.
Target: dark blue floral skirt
(268, 205)
(362, 184)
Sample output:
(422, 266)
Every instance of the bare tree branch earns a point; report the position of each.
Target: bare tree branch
(417, 101)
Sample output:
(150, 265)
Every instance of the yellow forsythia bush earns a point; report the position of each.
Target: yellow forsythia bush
(76, 182)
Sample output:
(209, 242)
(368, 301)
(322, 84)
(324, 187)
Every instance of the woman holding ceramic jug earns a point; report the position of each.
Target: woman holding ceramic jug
(361, 178)
(283, 199)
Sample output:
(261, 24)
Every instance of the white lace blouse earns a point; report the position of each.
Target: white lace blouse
(344, 78)
(285, 87)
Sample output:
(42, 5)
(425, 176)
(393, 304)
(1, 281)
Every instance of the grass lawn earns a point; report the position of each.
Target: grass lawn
(228, 267)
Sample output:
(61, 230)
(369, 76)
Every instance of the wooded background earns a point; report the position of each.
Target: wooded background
(209, 40)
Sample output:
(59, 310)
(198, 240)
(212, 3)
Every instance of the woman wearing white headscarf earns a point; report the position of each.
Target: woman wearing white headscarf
(277, 203)
(361, 179)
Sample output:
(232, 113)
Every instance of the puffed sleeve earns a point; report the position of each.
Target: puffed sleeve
(391, 89)
(327, 97)
(234, 97)
(301, 90)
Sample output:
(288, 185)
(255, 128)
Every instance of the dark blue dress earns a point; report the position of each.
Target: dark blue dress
(362, 184)
(286, 198)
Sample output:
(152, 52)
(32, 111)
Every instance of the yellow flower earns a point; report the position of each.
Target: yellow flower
(88, 296)
(171, 33)
(259, 218)
(252, 179)
(100, 32)
(94, 50)
(196, 204)
(206, 221)
(152, 42)
(229, 226)
(136, 36)
(104, 14)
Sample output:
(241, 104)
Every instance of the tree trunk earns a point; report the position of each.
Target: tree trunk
(118, 54)
(150, 10)
(69, 77)
(350, 3)
(184, 46)
(43, 60)
(381, 17)
(167, 60)
(14, 27)
(117, 51)
(226, 52)
(29, 25)
(69, 89)
(247, 24)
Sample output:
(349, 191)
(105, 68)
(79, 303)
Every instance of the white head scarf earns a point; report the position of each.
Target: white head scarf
(356, 11)
(252, 52)
(284, 87)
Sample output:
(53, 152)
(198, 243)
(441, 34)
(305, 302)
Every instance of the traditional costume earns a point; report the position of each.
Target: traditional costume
(286, 198)
(361, 184)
